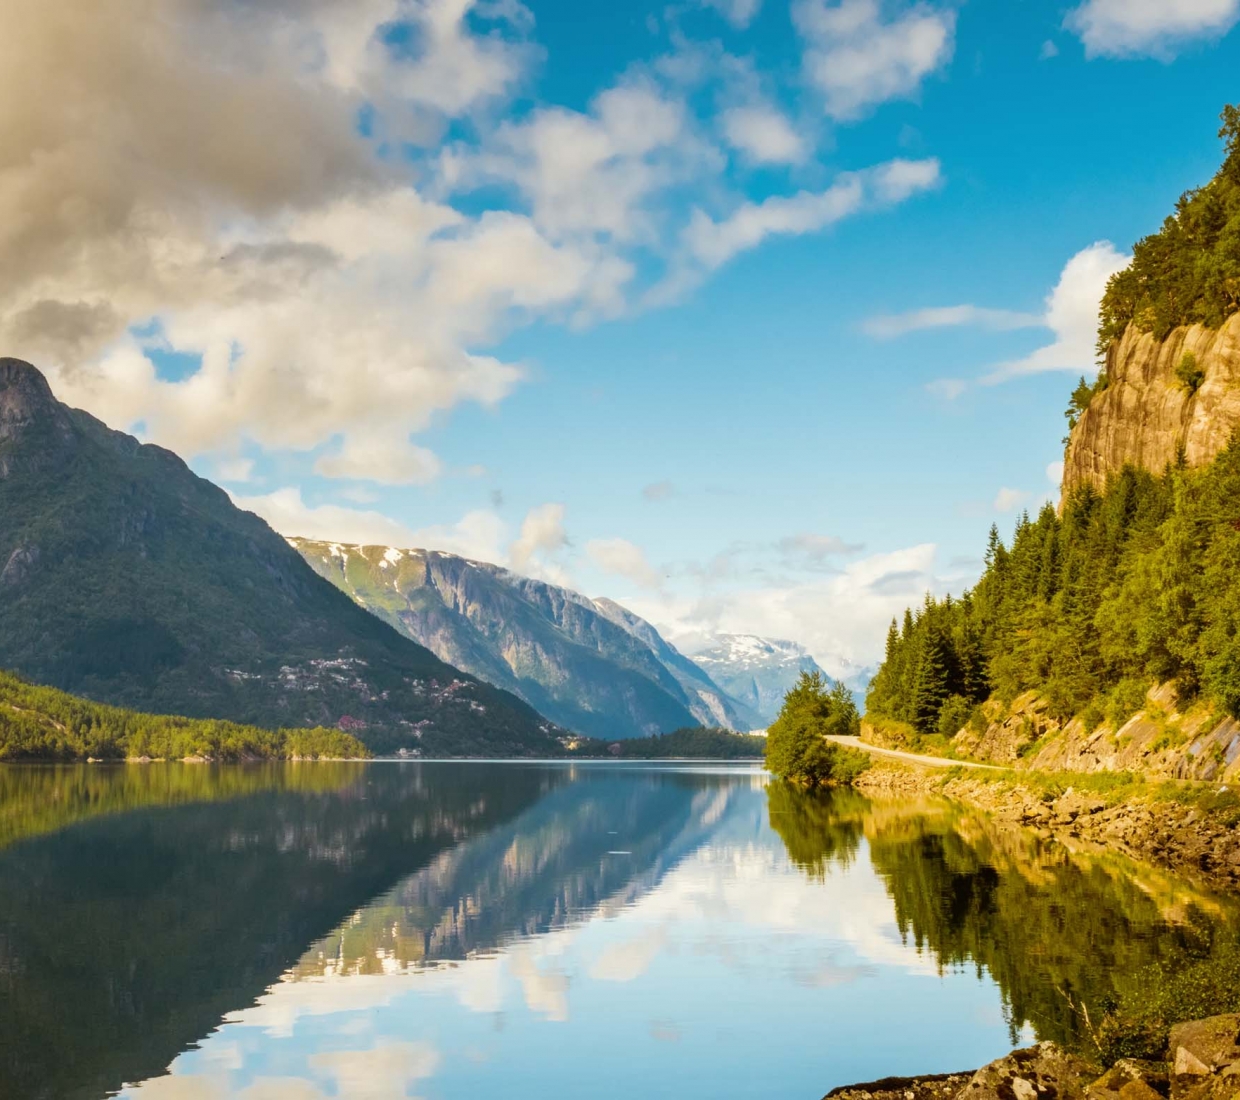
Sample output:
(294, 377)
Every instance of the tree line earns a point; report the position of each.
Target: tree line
(1128, 586)
(1189, 271)
(41, 723)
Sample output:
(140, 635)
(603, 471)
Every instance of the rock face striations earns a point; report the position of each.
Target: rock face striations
(589, 665)
(126, 578)
(1164, 399)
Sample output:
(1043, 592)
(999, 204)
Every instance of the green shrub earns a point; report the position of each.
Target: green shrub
(1189, 374)
(796, 745)
(1169, 992)
(1125, 699)
(955, 715)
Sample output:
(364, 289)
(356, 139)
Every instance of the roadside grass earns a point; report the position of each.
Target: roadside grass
(1116, 788)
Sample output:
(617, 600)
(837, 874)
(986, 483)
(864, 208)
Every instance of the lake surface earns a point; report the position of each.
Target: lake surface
(464, 930)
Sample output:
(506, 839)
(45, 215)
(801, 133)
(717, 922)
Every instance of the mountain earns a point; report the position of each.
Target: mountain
(756, 671)
(127, 579)
(589, 665)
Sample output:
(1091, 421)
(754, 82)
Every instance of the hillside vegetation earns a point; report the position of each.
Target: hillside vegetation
(1129, 585)
(1189, 271)
(127, 579)
(40, 723)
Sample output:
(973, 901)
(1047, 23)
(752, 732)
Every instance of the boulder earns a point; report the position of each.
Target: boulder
(1131, 1079)
(1203, 1046)
(1042, 1072)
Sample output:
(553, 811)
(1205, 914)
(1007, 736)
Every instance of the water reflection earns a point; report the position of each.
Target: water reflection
(451, 930)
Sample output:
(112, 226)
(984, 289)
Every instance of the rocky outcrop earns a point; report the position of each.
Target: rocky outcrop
(1202, 1063)
(1148, 416)
(1159, 741)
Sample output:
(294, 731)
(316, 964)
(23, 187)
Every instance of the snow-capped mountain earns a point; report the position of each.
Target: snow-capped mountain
(756, 671)
(588, 665)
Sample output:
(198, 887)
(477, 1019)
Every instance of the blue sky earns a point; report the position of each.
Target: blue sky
(636, 297)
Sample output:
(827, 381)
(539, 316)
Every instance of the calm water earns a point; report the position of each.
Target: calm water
(468, 930)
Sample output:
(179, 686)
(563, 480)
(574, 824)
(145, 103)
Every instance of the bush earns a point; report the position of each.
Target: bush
(796, 745)
(957, 712)
(1170, 992)
(1124, 700)
(1189, 374)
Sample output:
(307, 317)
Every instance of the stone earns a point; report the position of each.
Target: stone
(1123, 1079)
(936, 1087)
(1187, 1064)
(1046, 1071)
(1208, 1044)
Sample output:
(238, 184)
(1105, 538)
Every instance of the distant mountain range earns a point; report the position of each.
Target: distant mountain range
(589, 665)
(757, 672)
(127, 579)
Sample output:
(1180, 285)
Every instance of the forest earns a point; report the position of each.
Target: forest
(41, 723)
(1123, 587)
(1127, 587)
(1189, 271)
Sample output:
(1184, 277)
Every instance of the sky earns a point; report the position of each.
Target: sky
(751, 314)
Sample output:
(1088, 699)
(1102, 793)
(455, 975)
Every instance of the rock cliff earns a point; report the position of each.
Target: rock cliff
(1158, 741)
(588, 665)
(1148, 415)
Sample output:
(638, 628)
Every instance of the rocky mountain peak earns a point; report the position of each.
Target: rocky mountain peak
(25, 396)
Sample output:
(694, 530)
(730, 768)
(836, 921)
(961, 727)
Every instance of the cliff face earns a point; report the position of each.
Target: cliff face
(1146, 415)
(592, 666)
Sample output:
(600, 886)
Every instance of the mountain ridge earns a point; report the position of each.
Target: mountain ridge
(758, 671)
(127, 579)
(591, 665)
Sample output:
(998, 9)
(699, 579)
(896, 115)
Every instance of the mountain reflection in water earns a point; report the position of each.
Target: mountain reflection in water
(456, 930)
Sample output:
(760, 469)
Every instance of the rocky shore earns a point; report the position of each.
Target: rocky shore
(1202, 1063)
(1180, 836)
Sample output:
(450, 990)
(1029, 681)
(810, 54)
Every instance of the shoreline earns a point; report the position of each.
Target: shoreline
(1181, 835)
(1201, 1062)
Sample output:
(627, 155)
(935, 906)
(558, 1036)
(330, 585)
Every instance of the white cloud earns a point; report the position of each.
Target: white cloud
(763, 135)
(947, 388)
(889, 326)
(840, 617)
(327, 298)
(542, 533)
(710, 244)
(390, 459)
(1071, 315)
(740, 13)
(1149, 28)
(1008, 500)
(1048, 50)
(1054, 473)
(588, 173)
(624, 559)
(289, 514)
(860, 55)
(387, 1070)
